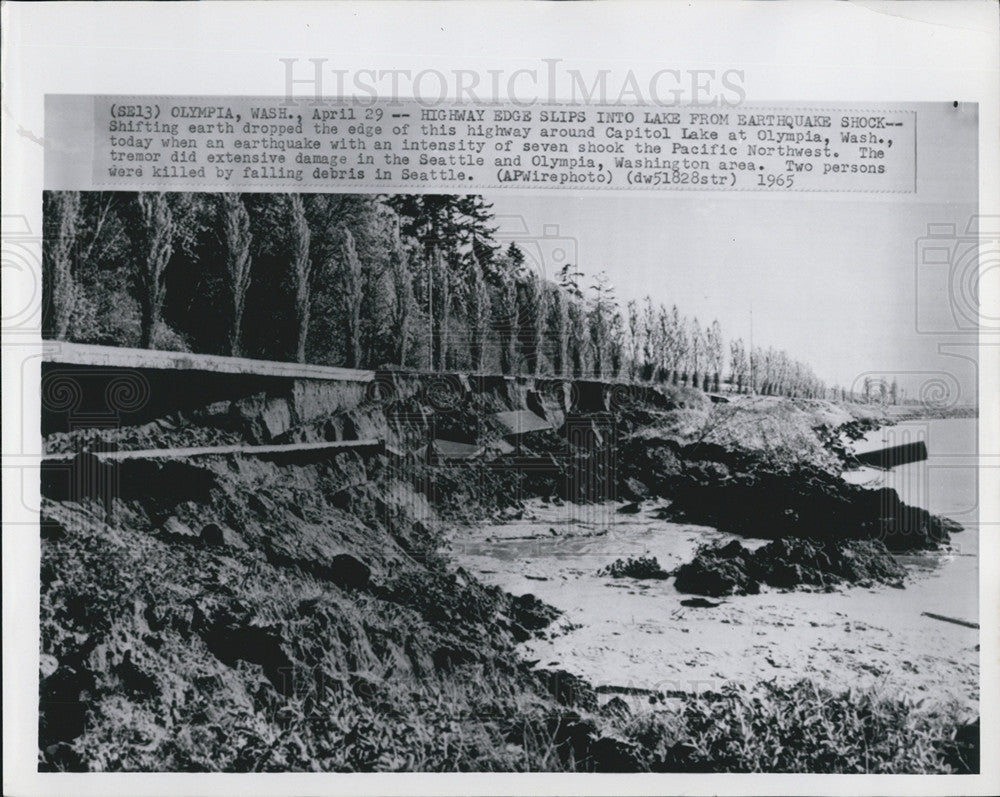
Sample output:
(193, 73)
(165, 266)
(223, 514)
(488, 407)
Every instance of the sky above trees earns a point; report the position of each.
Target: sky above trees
(835, 283)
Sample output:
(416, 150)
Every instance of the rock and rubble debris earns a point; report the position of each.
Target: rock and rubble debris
(788, 563)
(635, 567)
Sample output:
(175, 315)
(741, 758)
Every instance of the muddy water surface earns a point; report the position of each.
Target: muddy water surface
(628, 636)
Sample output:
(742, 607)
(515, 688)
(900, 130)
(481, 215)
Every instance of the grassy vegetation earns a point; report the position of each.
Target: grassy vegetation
(801, 728)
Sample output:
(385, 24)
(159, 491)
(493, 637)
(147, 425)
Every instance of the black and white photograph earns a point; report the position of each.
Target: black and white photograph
(596, 434)
(355, 482)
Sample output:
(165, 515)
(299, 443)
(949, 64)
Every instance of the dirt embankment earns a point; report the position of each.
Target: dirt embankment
(266, 618)
(237, 613)
(763, 468)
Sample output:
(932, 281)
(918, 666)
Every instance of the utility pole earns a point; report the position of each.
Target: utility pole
(431, 276)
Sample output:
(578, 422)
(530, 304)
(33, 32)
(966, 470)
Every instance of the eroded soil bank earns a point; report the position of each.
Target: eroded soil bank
(236, 612)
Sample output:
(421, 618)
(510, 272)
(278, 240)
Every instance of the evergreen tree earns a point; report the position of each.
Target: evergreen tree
(301, 270)
(715, 352)
(479, 316)
(402, 282)
(634, 338)
(352, 280)
(560, 301)
(507, 324)
(339, 275)
(154, 244)
(569, 281)
(602, 307)
(516, 257)
(448, 224)
(236, 238)
(59, 286)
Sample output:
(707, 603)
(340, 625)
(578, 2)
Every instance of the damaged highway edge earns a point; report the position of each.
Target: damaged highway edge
(251, 574)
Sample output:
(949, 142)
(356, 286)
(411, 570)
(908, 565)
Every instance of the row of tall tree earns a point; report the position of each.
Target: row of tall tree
(414, 281)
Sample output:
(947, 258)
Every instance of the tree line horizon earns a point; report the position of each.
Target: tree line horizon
(415, 282)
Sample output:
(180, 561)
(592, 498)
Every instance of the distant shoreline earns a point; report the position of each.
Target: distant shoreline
(898, 414)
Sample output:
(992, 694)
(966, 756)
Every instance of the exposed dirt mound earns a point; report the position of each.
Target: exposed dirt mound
(279, 618)
(635, 567)
(788, 563)
(806, 502)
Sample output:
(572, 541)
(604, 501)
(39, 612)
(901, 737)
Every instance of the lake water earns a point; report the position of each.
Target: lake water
(625, 635)
(946, 483)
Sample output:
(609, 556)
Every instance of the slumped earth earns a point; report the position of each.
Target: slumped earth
(633, 637)
(237, 613)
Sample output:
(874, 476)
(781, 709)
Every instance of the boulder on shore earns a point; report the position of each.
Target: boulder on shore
(788, 563)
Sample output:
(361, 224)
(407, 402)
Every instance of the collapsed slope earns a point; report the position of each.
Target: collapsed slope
(235, 612)
(272, 623)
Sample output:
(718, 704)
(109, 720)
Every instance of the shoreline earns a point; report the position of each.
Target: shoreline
(875, 637)
(854, 636)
